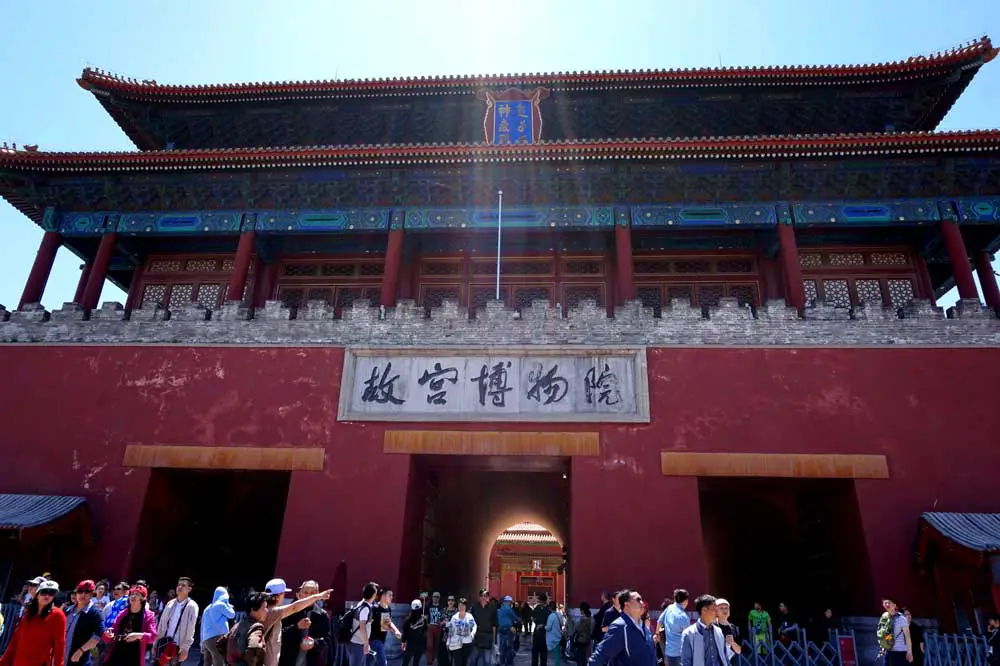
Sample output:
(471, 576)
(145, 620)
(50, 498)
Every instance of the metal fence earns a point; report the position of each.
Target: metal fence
(802, 652)
(955, 650)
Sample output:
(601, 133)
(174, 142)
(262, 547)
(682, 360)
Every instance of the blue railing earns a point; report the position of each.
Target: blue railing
(802, 652)
(955, 650)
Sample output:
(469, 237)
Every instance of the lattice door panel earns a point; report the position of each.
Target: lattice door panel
(651, 297)
(292, 298)
(210, 295)
(574, 294)
(480, 296)
(153, 295)
(434, 296)
(525, 296)
(680, 294)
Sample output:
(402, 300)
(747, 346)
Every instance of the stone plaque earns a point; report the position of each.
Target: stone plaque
(606, 384)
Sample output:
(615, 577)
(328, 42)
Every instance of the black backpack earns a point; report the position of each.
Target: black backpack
(344, 627)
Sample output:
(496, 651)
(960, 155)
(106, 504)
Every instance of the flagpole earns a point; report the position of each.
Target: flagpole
(499, 232)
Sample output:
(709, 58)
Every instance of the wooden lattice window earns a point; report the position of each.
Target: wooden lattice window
(434, 296)
(442, 268)
(651, 266)
(153, 295)
(338, 270)
(300, 270)
(583, 267)
(651, 297)
(180, 294)
(574, 294)
(525, 296)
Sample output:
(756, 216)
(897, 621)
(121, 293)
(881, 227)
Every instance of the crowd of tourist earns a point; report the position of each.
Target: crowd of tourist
(282, 627)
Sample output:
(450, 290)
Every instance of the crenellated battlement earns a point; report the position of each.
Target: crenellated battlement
(919, 324)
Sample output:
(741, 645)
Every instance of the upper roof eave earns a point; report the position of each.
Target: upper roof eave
(972, 54)
(725, 148)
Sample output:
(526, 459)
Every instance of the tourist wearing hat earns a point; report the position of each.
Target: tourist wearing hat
(83, 625)
(730, 632)
(507, 619)
(278, 610)
(133, 633)
(415, 634)
(40, 637)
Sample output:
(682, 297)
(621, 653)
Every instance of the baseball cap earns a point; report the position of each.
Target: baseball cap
(508, 598)
(86, 586)
(416, 604)
(48, 586)
(721, 602)
(276, 586)
(37, 580)
(484, 592)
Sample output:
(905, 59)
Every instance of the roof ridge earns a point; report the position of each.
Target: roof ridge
(755, 139)
(95, 79)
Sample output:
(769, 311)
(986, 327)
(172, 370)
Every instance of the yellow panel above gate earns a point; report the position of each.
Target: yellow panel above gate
(774, 465)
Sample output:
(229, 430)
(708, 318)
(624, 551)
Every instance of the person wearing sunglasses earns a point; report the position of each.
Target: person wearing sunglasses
(628, 641)
(40, 637)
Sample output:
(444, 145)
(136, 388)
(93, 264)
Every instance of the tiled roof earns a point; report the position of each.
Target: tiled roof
(977, 531)
(726, 148)
(21, 511)
(981, 50)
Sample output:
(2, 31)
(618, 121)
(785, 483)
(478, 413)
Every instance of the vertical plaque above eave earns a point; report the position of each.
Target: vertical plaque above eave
(513, 117)
(463, 384)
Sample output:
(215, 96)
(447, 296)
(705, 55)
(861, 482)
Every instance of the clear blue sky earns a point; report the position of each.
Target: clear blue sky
(46, 43)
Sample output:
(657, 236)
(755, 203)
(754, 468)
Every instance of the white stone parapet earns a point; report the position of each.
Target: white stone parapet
(773, 324)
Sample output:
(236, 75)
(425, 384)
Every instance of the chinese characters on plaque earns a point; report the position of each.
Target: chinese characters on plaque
(512, 123)
(515, 386)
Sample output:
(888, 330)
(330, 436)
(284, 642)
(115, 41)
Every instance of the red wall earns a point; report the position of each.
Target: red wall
(70, 411)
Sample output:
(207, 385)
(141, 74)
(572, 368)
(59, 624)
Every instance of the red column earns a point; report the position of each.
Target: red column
(82, 283)
(987, 279)
(241, 267)
(134, 297)
(795, 292)
(624, 265)
(390, 276)
(39, 276)
(959, 258)
(924, 280)
(99, 271)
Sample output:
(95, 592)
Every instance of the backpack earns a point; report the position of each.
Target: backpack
(236, 640)
(883, 634)
(344, 628)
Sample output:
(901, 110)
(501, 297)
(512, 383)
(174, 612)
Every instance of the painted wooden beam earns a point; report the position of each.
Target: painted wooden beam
(286, 459)
(774, 465)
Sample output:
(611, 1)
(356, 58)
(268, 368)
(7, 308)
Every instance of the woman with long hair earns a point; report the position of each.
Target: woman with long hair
(40, 637)
(133, 632)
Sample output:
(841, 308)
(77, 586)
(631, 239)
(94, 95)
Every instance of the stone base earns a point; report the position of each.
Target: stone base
(150, 313)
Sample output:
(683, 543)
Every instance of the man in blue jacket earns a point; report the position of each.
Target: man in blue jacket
(628, 641)
(507, 617)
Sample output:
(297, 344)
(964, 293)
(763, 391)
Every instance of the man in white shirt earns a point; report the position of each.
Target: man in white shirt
(178, 621)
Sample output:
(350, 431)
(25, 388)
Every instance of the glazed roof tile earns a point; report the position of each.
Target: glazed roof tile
(97, 80)
(741, 147)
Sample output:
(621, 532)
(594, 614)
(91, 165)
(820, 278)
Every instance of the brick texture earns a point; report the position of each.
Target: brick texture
(774, 324)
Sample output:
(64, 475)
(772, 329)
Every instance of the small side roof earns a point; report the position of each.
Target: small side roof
(979, 532)
(26, 511)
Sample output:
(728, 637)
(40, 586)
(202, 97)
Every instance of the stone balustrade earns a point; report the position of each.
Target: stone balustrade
(729, 324)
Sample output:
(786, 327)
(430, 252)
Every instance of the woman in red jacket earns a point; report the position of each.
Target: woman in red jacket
(40, 637)
(133, 632)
